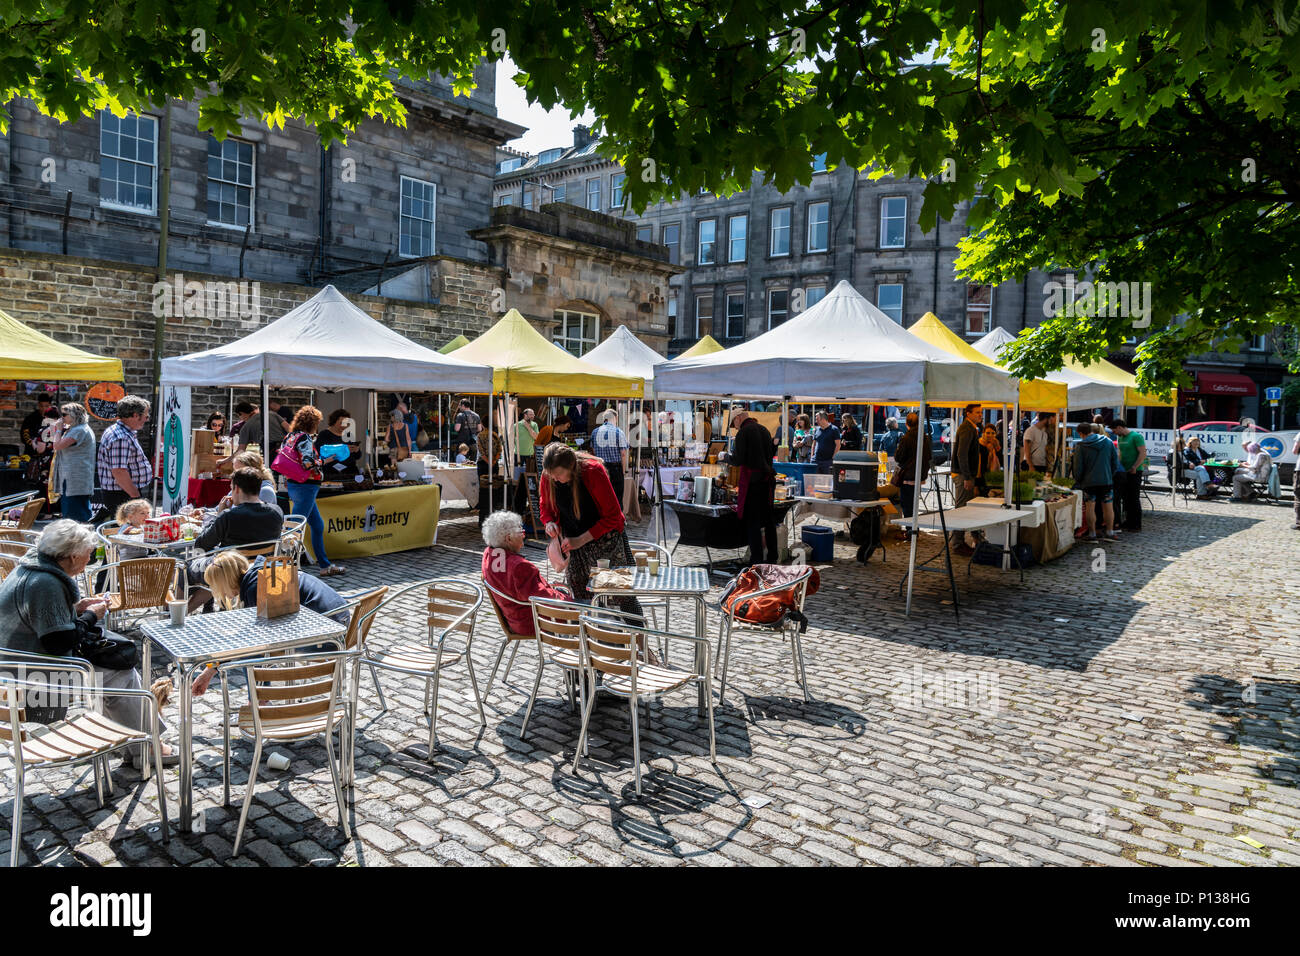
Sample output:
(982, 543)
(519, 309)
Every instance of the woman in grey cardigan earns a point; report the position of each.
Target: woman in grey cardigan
(73, 476)
(41, 613)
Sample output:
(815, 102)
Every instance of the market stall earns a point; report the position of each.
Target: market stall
(328, 343)
(842, 350)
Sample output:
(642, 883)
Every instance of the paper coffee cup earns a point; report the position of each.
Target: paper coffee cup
(602, 563)
(177, 609)
(654, 566)
(278, 761)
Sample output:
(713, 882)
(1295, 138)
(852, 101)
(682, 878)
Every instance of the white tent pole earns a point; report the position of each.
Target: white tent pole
(785, 423)
(871, 428)
(488, 476)
(916, 502)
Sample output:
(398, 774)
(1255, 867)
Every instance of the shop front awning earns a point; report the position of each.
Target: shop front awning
(1223, 383)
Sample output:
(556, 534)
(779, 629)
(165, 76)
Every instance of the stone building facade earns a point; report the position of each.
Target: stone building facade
(751, 260)
(268, 205)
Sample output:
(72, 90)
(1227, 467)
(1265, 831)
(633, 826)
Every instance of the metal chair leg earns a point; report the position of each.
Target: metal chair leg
(374, 675)
(248, 795)
(496, 664)
(581, 750)
(803, 670)
(225, 739)
(16, 837)
(510, 662)
(478, 698)
(636, 745)
(433, 711)
(338, 788)
(537, 682)
(726, 659)
(158, 782)
(98, 766)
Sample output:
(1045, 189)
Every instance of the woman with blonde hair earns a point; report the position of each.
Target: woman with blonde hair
(232, 579)
(580, 509)
(251, 459)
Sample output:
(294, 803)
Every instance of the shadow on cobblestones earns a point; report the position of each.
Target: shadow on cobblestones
(1262, 719)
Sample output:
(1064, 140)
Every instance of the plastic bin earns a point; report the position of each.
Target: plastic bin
(812, 484)
(821, 539)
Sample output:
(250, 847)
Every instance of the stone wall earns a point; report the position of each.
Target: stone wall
(107, 308)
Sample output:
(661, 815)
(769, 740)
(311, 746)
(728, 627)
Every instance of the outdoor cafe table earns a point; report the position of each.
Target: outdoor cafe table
(221, 637)
(672, 581)
(179, 549)
(1222, 471)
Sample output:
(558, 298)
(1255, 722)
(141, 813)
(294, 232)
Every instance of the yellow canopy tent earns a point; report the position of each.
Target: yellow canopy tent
(705, 346)
(525, 363)
(1103, 373)
(458, 342)
(32, 356)
(1037, 394)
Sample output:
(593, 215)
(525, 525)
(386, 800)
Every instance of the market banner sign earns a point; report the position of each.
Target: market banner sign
(382, 521)
(102, 399)
(1223, 445)
(174, 423)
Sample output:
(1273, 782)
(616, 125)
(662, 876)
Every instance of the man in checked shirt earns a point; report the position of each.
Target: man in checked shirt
(609, 444)
(123, 467)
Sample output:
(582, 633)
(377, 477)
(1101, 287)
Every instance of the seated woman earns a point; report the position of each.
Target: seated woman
(1259, 465)
(507, 570)
(40, 612)
(1193, 466)
(251, 459)
(232, 579)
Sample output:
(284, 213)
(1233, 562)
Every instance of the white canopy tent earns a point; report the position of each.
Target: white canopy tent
(843, 349)
(625, 354)
(326, 343)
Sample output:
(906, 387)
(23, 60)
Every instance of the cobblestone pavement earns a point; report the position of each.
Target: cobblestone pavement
(1131, 705)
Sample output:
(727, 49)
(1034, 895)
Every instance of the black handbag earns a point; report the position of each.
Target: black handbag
(112, 652)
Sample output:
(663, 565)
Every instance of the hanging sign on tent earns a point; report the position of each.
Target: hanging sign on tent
(174, 422)
(102, 399)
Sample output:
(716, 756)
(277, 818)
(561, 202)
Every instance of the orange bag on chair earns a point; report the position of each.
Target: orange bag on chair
(277, 588)
(769, 608)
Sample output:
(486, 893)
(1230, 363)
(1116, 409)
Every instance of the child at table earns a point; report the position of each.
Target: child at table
(462, 454)
(133, 514)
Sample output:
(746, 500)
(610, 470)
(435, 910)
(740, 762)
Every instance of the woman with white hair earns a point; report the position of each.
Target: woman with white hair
(73, 473)
(41, 613)
(508, 571)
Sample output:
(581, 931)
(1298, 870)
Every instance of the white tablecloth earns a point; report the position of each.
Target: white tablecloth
(667, 477)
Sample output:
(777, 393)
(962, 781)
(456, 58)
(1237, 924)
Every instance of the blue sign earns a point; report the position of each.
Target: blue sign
(1273, 446)
(1273, 393)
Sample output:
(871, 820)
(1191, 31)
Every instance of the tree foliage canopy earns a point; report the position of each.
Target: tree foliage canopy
(1145, 141)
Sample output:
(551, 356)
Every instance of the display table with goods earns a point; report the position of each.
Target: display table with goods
(457, 482)
(1053, 534)
(716, 527)
(207, 492)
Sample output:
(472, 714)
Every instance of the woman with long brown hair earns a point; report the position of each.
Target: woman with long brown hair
(579, 508)
(301, 467)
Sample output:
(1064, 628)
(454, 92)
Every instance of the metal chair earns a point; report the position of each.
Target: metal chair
(87, 736)
(786, 626)
(361, 607)
(497, 599)
(31, 511)
(290, 698)
(611, 650)
(1267, 488)
(141, 584)
(20, 539)
(452, 607)
(652, 605)
(8, 563)
(555, 629)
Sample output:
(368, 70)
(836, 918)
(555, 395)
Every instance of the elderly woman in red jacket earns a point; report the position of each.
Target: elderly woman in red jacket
(581, 510)
(508, 571)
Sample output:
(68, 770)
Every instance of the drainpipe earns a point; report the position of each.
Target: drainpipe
(934, 301)
(164, 205)
(323, 225)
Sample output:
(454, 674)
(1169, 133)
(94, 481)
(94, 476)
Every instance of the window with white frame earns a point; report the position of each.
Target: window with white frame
(779, 229)
(548, 156)
(703, 314)
(527, 201)
(505, 199)
(230, 182)
(737, 238)
(778, 307)
(893, 222)
(671, 236)
(812, 295)
(578, 332)
(889, 300)
(509, 165)
(979, 309)
(645, 233)
(559, 193)
(593, 194)
(419, 202)
(819, 226)
(735, 315)
(128, 152)
(707, 254)
(616, 190)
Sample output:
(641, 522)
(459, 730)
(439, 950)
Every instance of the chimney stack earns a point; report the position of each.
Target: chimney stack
(581, 136)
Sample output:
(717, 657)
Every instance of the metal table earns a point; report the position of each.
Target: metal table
(221, 637)
(672, 581)
(181, 549)
(853, 507)
(716, 527)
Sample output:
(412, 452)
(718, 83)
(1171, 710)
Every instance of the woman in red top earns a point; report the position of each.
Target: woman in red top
(579, 508)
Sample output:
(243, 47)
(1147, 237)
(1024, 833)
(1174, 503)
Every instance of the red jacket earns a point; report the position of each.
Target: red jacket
(596, 478)
(521, 580)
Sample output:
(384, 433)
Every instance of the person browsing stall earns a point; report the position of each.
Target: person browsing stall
(825, 443)
(73, 471)
(123, 467)
(752, 452)
(1094, 465)
(609, 444)
(301, 466)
